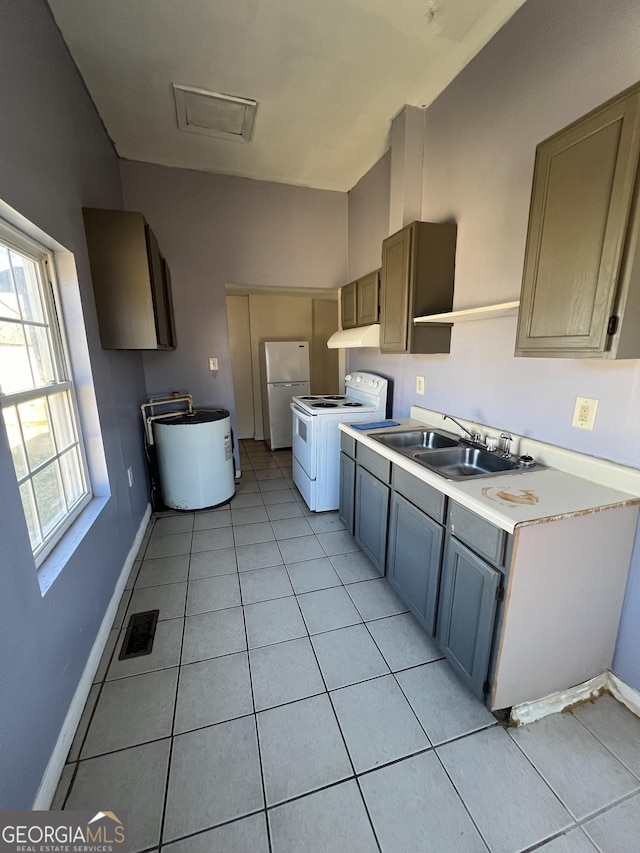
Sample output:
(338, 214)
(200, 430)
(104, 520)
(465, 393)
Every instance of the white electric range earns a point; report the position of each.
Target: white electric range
(316, 437)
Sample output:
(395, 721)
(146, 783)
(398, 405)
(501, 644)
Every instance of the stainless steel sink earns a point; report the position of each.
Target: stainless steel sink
(460, 463)
(414, 439)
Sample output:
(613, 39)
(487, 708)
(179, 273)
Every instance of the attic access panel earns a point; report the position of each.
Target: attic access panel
(214, 114)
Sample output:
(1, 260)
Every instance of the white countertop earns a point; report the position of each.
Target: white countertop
(512, 499)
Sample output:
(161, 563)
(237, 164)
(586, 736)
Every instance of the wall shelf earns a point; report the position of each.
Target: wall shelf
(503, 309)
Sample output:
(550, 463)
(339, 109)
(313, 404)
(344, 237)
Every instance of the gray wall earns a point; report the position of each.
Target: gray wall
(369, 204)
(55, 157)
(549, 65)
(217, 230)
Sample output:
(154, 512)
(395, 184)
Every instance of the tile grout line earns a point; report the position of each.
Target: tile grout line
(561, 834)
(344, 741)
(255, 723)
(461, 798)
(635, 774)
(548, 784)
(172, 736)
(577, 824)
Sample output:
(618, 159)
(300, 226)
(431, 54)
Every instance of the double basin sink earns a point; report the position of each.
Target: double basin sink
(447, 455)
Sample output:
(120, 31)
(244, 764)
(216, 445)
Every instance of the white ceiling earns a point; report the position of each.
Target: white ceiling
(329, 75)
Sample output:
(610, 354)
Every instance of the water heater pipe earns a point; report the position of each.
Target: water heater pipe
(162, 401)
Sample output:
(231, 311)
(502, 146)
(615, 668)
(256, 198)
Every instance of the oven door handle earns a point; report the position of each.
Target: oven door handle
(297, 411)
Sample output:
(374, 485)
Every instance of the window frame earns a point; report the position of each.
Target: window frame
(63, 383)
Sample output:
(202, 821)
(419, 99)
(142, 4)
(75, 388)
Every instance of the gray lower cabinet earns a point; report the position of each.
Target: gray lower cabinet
(371, 516)
(347, 491)
(493, 587)
(467, 613)
(413, 559)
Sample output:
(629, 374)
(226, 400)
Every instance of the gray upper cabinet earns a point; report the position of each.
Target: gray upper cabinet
(580, 296)
(348, 305)
(418, 266)
(367, 298)
(359, 301)
(131, 281)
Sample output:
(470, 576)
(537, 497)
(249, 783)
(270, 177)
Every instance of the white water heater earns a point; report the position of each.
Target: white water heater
(195, 458)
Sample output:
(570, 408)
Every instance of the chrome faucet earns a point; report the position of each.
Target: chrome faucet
(506, 447)
(475, 437)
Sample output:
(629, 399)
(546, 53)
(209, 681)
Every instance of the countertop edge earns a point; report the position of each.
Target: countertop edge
(459, 490)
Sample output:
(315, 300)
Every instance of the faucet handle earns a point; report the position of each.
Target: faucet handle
(506, 447)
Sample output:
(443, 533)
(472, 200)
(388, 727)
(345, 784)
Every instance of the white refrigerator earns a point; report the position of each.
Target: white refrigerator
(285, 374)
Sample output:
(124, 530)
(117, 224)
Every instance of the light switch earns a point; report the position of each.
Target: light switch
(419, 384)
(213, 364)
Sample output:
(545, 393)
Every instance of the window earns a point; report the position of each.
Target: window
(37, 393)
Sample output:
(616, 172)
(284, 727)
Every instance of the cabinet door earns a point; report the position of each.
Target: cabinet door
(413, 559)
(583, 189)
(168, 298)
(394, 291)
(347, 491)
(466, 613)
(158, 290)
(348, 302)
(367, 299)
(130, 281)
(371, 517)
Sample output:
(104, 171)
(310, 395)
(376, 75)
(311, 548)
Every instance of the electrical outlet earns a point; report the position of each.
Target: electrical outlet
(419, 384)
(130, 476)
(584, 413)
(213, 364)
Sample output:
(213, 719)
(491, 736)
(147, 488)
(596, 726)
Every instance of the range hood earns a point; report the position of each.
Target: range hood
(361, 336)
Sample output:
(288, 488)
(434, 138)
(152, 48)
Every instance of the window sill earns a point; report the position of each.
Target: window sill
(66, 547)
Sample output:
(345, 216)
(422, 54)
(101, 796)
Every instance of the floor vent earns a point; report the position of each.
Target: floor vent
(141, 630)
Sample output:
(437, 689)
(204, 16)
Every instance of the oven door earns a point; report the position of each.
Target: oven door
(304, 441)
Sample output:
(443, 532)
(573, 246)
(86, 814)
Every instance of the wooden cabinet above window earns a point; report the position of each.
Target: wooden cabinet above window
(131, 281)
(580, 290)
(359, 301)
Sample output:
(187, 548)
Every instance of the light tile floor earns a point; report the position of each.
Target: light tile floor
(291, 705)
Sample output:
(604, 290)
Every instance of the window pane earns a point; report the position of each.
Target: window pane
(26, 275)
(8, 298)
(40, 417)
(15, 371)
(72, 476)
(62, 420)
(47, 486)
(36, 430)
(15, 441)
(29, 507)
(40, 354)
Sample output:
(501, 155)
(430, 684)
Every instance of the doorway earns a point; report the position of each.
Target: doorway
(256, 314)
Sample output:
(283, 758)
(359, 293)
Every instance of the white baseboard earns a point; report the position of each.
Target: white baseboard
(56, 763)
(625, 694)
(607, 682)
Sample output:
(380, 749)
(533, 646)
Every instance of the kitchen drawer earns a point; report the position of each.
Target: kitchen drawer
(480, 535)
(420, 494)
(374, 463)
(348, 445)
